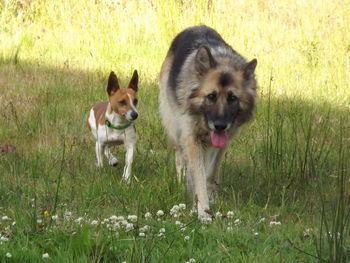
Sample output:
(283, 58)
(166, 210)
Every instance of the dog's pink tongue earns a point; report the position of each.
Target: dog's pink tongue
(218, 140)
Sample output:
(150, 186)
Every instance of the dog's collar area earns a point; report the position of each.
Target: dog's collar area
(121, 127)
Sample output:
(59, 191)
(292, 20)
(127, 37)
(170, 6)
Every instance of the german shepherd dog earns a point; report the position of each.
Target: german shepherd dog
(207, 91)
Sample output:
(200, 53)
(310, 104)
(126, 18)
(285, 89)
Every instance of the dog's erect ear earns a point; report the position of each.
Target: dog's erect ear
(134, 81)
(204, 60)
(249, 69)
(113, 84)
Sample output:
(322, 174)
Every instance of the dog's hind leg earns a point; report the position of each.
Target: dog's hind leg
(112, 160)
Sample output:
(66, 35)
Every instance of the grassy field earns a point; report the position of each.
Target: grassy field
(285, 191)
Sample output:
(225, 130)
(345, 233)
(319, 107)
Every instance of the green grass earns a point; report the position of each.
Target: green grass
(289, 165)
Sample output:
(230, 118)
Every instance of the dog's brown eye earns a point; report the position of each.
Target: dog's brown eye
(231, 97)
(212, 96)
(135, 102)
(122, 102)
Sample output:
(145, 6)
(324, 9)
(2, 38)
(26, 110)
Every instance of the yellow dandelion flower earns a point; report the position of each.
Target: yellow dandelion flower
(46, 213)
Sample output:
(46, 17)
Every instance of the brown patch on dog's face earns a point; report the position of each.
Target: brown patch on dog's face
(123, 101)
(225, 97)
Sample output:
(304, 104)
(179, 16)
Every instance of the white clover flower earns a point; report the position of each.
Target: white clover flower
(178, 223)
(141, 234)
(162, 230)
(120, 218)
(160, 213)
(124, 222)
(229, 228)
(67, 213)
(46, 255)
(8, 255)
(54, 217)
(160, 234)
(3, 238)
(307, 232)
(129, 227)
(5, 218)
(218, 215)
(181, 225)
(256, 233)
(175, 208)
(13, 223)
(187, 238)
(78, 220)
(94, 222)
(145, 228)
(192, 260)
(39, 221)
(230, 214)
(237, 221)
(275, 223)
(113, 218)
(261, 220)
(114, 226)
(148, 215)
(132, 218)
(193, 212)
(206, 219)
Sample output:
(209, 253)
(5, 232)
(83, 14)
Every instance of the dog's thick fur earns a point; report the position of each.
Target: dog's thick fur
(207, 91)
(111, 122)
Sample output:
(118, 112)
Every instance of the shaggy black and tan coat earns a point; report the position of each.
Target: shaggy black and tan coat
(207, 91)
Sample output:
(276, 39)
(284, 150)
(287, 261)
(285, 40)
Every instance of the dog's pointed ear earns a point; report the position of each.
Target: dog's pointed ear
(249, 69)
(134, 81)
(113, 84)
(204, 60)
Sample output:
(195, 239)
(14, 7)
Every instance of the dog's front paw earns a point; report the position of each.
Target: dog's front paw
(205, 216)
(113, 161)
(126, 179)
(99, 165)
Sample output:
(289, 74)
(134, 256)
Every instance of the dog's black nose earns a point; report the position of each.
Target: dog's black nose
(134, 115)
(220, 126)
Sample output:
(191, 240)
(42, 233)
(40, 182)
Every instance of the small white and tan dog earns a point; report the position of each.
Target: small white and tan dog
(111, 122)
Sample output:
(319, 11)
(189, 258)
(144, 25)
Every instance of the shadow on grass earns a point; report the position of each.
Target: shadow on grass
(290, 146)
(292, 153)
